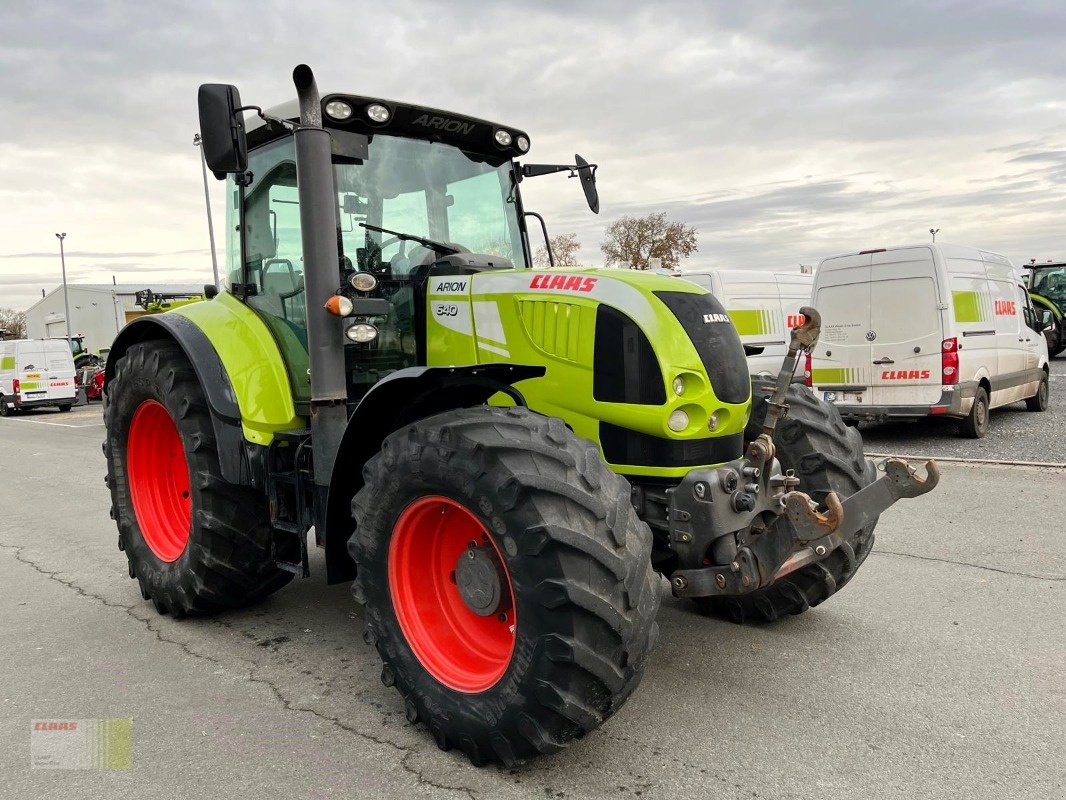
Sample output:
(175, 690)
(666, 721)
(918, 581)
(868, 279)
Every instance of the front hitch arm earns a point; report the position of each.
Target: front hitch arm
(814, 534)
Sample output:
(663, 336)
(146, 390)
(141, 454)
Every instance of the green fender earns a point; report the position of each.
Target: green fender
(1043, 301)
(253, 362)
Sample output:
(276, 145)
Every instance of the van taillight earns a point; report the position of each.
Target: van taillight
(949, 361)
(15, 386)
(807, 371)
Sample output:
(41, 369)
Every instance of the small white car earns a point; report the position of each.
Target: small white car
(35, 373)
(927, 330)
(764, 307)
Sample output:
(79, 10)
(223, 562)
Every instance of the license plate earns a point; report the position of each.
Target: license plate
(842, 397)
(32, 394)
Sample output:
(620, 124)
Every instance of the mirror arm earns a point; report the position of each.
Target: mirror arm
(544, 228)
(536, 170)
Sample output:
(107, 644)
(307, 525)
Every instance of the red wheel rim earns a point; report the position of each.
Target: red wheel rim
(159, 480)
(462, 650)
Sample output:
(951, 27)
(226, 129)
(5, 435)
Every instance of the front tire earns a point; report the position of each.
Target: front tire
(555, 636)
(195, 543)
(827, 456)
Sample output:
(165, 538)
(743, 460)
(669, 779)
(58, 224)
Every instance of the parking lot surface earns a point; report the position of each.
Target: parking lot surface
(1016, 435)
(938, 672)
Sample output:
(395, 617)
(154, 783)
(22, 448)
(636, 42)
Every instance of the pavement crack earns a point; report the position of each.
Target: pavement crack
(406, 752)
(971, 564)
(129, 610)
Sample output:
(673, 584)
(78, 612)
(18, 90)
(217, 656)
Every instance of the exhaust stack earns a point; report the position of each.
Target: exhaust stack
(325, 335)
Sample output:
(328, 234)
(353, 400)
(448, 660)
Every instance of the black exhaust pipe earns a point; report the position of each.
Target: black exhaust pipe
(325, 333)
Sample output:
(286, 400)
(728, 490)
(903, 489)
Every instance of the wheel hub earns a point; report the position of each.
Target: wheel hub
(479, 578)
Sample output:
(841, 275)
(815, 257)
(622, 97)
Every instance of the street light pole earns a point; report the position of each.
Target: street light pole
(66, 298)
(197, 142)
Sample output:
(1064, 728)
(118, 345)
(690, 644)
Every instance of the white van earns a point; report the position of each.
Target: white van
(36, 372)
(926, 329)
(764, 307)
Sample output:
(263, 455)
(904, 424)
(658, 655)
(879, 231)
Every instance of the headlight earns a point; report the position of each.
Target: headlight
(523, 143)
(679, 386)
(503, 138)
(363, 281)
(338, 109)
(678, 421)
(378, 113)
(362, 332)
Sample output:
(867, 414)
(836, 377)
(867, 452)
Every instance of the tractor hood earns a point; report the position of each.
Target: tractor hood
(648, 365)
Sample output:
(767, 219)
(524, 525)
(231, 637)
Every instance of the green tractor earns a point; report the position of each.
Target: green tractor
(1047, 289)
(504, 461)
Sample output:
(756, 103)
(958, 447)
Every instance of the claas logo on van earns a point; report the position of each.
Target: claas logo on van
(1005, 308)
(795, 320)
(905, 375)
(572, 283)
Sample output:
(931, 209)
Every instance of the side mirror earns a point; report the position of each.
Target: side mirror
(1047, 319)
(587, 174)
(222, 129)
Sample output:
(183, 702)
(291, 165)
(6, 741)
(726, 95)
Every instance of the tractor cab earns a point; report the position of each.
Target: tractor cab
(417, 192)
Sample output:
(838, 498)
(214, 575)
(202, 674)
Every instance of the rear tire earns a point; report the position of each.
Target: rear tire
(5, 409)
(827, 456)
(1038, 402)
(570, 548)
(64, 407)
(195, 543)
(976, 424)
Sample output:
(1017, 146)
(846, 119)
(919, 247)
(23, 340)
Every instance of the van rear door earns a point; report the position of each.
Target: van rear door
(59, 373)
(906, 328)
(841, 361)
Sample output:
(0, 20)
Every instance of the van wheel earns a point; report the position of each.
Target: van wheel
(976, 423)
(1038, 402)
(5, 409)
(65, 407)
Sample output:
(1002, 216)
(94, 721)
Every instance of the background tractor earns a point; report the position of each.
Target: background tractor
(1047, 289)
(503, 460)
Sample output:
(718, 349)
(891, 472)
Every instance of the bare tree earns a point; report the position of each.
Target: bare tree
(13, 323)
(564, 250)
(632, 241)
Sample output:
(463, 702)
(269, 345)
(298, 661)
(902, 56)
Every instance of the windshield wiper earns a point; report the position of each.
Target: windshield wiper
(439, 247)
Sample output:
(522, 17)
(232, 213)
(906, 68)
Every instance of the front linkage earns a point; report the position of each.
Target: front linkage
(723, 520)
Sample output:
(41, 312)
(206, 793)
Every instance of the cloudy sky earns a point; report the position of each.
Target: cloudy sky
(783, 131)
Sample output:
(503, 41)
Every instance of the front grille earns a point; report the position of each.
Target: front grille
(716, 340)
(626, 447)
(625, 369)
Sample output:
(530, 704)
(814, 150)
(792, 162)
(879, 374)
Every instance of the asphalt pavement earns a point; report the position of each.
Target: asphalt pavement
(1016, 434)
(937, 673)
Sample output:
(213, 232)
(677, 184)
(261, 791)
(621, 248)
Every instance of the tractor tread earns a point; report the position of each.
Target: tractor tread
(587, 617)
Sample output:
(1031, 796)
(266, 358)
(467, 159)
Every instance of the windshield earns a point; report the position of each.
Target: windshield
(1051, 284)
(424, 189)
(413, 187)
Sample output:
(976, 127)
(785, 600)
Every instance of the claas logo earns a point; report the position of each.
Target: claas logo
(795, 320)
(1005, 308)
(905, 375)
(571, 283)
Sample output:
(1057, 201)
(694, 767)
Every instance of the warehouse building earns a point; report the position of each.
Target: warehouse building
(98, 311)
